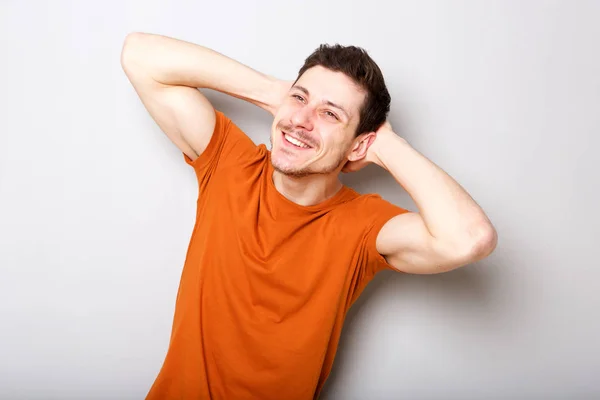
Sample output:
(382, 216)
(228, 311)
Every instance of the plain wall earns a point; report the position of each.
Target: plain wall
(97, 206)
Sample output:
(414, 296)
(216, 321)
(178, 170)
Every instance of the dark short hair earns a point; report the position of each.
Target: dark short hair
(359, 66)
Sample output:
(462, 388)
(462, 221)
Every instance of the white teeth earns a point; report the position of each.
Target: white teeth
(295, 141)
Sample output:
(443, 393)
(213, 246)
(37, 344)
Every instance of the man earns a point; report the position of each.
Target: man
(281, 249)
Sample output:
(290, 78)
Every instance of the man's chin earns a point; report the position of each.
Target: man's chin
(289, 170)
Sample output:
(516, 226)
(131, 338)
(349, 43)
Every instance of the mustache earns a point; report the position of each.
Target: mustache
(300, 134)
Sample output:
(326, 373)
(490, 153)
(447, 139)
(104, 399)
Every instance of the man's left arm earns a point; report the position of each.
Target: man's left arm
(449, 231)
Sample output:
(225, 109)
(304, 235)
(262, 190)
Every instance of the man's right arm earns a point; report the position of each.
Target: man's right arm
(166, 73)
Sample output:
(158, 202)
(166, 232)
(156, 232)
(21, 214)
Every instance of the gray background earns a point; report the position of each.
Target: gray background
(97, 206)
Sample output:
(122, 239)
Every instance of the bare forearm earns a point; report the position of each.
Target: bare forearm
(448, 211)
(179, 63)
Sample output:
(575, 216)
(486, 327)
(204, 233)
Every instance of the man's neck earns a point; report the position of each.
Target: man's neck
(309, 190)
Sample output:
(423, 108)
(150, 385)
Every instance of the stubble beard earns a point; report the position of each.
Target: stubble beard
(301, 172)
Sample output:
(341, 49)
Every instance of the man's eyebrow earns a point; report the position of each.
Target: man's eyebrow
(329, 103)
(302, 89)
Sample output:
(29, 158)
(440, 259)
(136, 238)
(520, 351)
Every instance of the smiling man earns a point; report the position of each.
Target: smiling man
(281, 248)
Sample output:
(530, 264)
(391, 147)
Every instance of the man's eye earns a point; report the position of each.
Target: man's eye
(298, 97)
(330, 114)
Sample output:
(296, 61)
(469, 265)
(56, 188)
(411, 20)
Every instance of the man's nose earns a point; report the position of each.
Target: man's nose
(303, 118)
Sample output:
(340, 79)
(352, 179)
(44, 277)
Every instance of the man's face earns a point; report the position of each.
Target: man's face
(314, 128)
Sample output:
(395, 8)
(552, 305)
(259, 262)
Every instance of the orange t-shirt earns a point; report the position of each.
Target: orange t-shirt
(266, 283)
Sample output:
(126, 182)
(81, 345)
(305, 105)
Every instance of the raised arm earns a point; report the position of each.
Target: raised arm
(449, 231)
(166, 73)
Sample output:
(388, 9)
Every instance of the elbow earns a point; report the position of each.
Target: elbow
(479, 245)
(454, 254)
(126, 50)
(131, 43)
(473, 247)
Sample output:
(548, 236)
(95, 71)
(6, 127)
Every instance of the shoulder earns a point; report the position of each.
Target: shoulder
(230, 152)
(362, 219)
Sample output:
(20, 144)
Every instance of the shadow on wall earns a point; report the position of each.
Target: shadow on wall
(469, 297)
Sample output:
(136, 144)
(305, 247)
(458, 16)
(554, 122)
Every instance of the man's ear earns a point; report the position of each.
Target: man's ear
(361, 145)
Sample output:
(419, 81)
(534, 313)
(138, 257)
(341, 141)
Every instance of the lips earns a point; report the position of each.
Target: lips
(294, 141)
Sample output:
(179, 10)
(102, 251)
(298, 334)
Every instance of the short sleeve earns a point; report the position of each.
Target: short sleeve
(370, 214)
(381, 211)
(228, 145)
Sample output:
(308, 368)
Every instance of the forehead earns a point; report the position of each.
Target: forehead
(326, 85)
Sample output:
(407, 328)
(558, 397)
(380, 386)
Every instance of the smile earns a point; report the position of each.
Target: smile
(295, 142)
